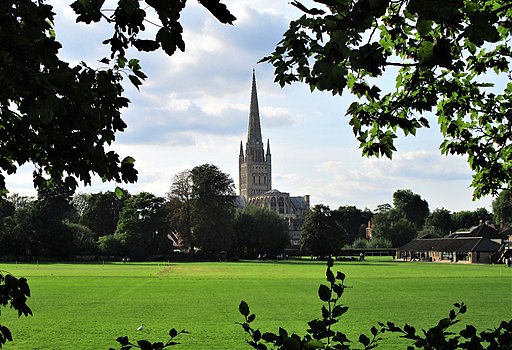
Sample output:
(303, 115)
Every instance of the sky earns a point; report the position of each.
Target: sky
(193, 109)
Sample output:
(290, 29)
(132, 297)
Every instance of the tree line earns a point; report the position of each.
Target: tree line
(198, 209)
(198, 215)
(326, 230)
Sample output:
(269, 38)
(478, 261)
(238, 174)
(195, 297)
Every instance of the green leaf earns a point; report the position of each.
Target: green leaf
(291, 343)
(144, 345)
(269, 337)
(329, 276)
(314, 344)
(128, 160)
(135, 81)
(123, 340)
(426, 53)
(244, 308)
(363, 339)
(340, 276)
(443, 323)
(339, 310)
(219, 10)
(463, 308)
(324, 292)
(120, 193)
(121, 61)
(146, 45)
(424, 26)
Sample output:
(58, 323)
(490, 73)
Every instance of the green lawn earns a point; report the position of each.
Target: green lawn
(86, 306)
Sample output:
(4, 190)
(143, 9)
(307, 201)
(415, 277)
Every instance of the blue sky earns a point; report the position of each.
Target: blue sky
(193, 109)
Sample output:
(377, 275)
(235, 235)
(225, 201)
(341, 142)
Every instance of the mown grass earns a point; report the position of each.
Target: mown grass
(86, 306)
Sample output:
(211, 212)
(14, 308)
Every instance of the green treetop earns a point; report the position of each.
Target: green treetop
(444, 56)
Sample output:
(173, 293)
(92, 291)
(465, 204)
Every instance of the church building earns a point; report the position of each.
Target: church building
(255, 177)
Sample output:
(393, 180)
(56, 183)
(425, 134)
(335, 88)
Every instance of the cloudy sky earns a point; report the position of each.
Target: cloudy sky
(193, 109)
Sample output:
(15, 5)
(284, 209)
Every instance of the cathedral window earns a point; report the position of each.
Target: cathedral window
(281, 205)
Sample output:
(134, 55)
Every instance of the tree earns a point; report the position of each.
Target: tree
(142, 227)
(466, 219)
(259, 231)
(322, 233)
(441, 54)
(63, 118)
(18, 229)
(439, 222)
(212, 209)
(502, 208)
(101, 212)
(43, 224)
(354, 221)
(413, 207)
(392, 225)
(85, 242)
(7, 209)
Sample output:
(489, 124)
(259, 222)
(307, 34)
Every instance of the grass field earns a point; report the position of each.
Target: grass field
(87, 306)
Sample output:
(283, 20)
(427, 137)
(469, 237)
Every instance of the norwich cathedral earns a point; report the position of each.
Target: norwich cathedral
(255, 177)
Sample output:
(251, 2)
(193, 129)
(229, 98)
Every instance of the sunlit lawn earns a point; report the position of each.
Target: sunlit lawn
(87, 306)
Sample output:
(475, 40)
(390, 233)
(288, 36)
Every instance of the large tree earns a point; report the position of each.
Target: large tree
(42, 224)
(101, 212)
(259, 231)
(63, 117)
(413, 207)
(444, 57)
(142, 227)
(439, 222)
(322, 233)
(390, 223)
(212, 209)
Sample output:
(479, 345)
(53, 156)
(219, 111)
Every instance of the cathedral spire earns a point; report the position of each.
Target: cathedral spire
(254, 132)
(255, 168)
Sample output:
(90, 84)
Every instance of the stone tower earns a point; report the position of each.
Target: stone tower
(254, 166)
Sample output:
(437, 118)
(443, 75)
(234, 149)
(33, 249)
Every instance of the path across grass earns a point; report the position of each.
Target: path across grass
(87, 306)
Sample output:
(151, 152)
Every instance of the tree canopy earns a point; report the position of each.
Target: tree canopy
(62, 118)
(444, 56)
(413, 207)
(323, 232)
(502, 208)
(212, 205)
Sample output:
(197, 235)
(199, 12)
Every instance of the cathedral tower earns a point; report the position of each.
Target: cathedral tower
(254, 166)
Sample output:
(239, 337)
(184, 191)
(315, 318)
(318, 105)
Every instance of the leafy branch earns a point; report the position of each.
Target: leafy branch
(13, 292)
(126, 344)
